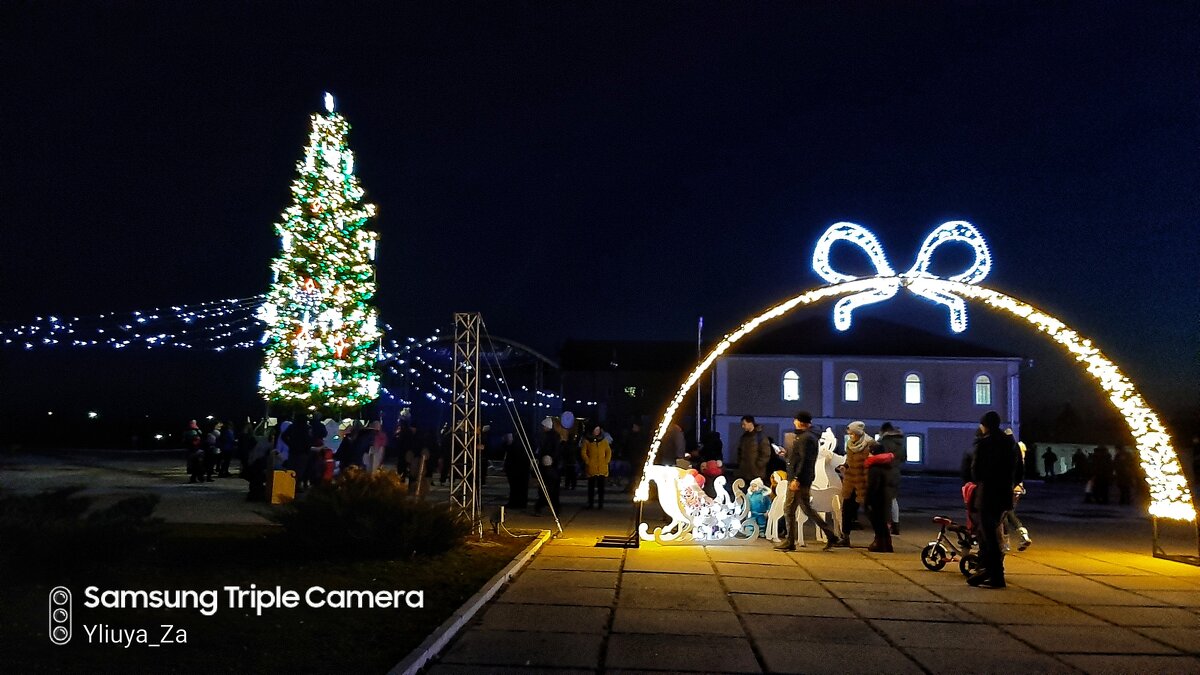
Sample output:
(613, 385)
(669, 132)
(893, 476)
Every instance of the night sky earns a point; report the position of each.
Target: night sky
(613, 170)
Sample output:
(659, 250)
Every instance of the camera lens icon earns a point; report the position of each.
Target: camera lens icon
(60, 615)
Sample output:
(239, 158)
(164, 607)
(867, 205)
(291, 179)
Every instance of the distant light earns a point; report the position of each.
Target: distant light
(93, 415)
(49, 412)
(329, 101)
(209, 417)
(158, 437)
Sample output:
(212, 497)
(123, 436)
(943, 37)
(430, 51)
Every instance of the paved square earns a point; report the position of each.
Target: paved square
(1071, 606)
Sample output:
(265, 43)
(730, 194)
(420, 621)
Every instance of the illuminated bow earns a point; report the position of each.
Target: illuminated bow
(886, 283)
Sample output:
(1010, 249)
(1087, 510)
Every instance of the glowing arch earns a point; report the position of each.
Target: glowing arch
(1170, 496)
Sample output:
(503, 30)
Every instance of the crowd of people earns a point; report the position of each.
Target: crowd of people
(311, 447)
(316, 448)
(1100, 471)
(870, 478)
(993, 473)
(565, 450)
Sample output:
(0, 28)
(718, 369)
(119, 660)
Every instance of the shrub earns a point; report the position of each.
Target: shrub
(59, 528)
(365, 514)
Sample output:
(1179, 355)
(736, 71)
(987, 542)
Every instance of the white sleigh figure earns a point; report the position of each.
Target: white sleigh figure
(826, 489)
(694, 515)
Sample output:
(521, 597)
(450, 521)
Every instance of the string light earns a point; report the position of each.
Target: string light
(423, 374)
(217, 325)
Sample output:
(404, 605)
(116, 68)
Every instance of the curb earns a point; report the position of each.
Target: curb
(433, 645)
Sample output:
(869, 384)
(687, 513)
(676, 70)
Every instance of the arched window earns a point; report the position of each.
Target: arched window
(791, 386)
(912, 388)
(983, 390)
(850, 390)
(914, 453)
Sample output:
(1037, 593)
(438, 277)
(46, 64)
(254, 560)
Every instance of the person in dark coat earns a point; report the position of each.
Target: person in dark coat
(881, 490)
(1126, 474)
(549, 456)
(296, 438)
(259, 464)
(712, 449)
(996, 469)
(193, 444)
(246, 440)
(754, 450)
(673, 446)
(212, 451)
(1102, 474)
(516, 470)
(801, 470)
(404, 446)
(1049, 459)
(445, 447)
(637, 446)
(227, 442)
(892, 440)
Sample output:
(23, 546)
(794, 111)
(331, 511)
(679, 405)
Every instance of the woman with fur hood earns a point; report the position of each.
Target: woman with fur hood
(854, 476)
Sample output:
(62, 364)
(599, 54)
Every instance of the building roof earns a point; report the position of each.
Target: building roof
(814, 336)
(867, 337)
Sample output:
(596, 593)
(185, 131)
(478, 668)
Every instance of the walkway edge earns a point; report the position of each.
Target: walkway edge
(433, 645)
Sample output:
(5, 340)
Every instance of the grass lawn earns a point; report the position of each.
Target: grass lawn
(194, 557)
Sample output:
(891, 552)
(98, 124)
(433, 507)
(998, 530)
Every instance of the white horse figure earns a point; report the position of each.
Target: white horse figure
(693, 513)
(776, 513)
(826, 489)
(667, 480)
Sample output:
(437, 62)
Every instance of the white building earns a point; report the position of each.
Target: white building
(936, 401)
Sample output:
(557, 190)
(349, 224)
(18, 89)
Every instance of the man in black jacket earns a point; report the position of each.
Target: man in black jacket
(754, 450)
(801, 470)
(996, 468)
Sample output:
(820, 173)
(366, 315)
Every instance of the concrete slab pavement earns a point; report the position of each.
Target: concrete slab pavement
(1082, 599)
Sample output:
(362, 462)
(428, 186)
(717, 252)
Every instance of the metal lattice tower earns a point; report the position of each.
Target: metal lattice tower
(464, 454)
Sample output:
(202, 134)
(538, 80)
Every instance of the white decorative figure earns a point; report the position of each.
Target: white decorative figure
(825, 491)
(826, 487)
(886, 283)
(776, 512)
(667, 480)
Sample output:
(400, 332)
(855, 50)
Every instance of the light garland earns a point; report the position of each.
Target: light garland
(436, 376)
(210, 326)
(1170, 496)
(206, 326)
(321, 330)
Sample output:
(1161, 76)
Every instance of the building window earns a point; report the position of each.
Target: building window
(912, 449)
(983, 390)
(791, 386)
(850, 387)
(912, 388)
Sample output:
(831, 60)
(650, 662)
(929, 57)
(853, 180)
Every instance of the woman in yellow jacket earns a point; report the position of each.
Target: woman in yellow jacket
(596, 454)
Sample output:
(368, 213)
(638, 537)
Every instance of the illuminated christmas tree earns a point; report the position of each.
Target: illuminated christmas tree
(322, 331)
